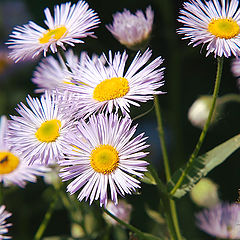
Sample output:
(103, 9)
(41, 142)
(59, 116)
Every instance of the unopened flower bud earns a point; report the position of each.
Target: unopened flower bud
(205, 193)
(199, 111)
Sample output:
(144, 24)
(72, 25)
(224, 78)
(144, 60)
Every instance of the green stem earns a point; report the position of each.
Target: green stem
(139, 233)
(170, 203)
(205, 128)
(46, 219)
(162, 138)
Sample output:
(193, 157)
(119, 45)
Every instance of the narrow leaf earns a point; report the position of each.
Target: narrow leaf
(202, 165)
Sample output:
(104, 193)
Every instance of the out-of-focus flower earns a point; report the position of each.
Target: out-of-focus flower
(198, 112)
(103, 154)
(122, 211)
(70, 23)
(235, 67)
(108, 87)
(54, 74)
(43, 126)
(3, 225)
(13, 168)
(5, 62)
(132, 30)
(214, 23)
(222, 221)
(205, 193)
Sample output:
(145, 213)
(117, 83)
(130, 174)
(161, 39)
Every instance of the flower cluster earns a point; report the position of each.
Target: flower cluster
(81, 123)
(82, 120)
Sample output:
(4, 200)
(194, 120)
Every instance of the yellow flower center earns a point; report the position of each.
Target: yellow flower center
(8, 162)
(112, 88)
(53, 34)
(224, 28)
(104, 159)
(48, 131)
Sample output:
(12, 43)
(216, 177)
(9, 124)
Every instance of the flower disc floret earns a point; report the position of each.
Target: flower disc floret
(53, 35)
(224, 28)
(48, 131)
(104, 159)
(8, 162)
(109, 89)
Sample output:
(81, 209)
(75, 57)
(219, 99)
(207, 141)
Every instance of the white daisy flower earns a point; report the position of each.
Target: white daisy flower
(104, 155)
(3, 225)
(53, 73)
(215, 23)
(70, 23)
(132, 30)
(38, 133)
(106, 87)
(13, 168)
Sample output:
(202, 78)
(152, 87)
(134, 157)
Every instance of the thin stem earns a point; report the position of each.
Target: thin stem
(162, 138)
(205, 128)
(173, 223)
(139, 233)
(46, 219)
(160, 185)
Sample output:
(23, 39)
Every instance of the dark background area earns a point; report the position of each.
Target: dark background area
(188, 75)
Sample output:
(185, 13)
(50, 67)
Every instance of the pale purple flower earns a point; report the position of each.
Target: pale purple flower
(132, 30)
(221, 221)
(235, 67)
(38, 134)
(113, 87)
(103, 157)
(3, 225)
(68, 25)
(122, 211)
(214, 23)
(14, 169)
(52, 73)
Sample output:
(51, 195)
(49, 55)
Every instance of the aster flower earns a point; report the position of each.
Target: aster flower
(13, 168)
(3, 225)
(215, 23)
(53, 73)
(103, 155)
(38, 133)
(70, 23)
(132, 30)
(222, 221)
(106, 87)
(121, 211)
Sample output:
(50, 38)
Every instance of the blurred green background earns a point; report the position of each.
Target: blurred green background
(188, 75)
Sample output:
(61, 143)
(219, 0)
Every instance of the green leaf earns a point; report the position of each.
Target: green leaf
(202, 165)
(148, 178)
